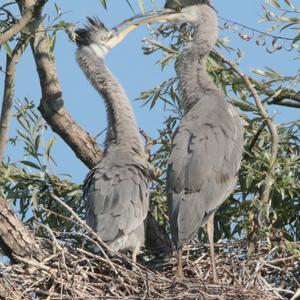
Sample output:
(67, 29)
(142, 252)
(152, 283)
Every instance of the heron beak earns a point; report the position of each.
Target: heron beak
(118, 38)
(149, 17)
(153, 16)
(161, 16)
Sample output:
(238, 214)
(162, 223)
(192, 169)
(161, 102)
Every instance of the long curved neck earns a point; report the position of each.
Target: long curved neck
(122, 127)
(191, 69)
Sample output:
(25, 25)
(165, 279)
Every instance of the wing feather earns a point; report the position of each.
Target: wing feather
(202, 167)
(117, 200)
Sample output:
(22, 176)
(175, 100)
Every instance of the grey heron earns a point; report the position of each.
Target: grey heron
(116, 189)
(208, 144)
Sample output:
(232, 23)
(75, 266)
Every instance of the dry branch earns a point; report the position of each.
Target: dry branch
(68, 271)
(74, 273)
(52, 107)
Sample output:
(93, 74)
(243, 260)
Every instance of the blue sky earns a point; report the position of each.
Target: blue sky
(135, 71)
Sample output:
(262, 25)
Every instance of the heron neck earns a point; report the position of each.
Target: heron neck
(122, 126)
(194, 80)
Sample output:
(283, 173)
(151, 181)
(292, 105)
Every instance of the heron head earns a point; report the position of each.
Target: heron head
(94, 35)
(176, 11)
(93, 32)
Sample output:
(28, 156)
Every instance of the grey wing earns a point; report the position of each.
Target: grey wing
(202, 171)
(117, 201)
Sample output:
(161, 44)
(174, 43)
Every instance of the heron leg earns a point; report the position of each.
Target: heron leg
(180, 275)
(135, 252)
(210, 232)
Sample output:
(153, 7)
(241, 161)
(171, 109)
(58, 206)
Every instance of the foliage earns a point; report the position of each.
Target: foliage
(29, 182)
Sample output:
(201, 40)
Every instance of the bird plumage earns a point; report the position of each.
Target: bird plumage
(184, 3)
(117, 202)
(203, 165)
(116, 189)
(207, 146)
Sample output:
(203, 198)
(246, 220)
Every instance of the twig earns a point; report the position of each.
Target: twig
(9, 14)
(296, 295)
(254, 139)
(262, 33)
(149, 141)
(36, 264)
(87, 228)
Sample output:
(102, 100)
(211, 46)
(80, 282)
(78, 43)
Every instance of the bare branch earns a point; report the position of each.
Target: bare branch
(87, 228)
(296, 295)
(9, 90)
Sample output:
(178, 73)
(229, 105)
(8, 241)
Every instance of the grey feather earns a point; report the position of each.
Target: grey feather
(116, 190)
(207, 147)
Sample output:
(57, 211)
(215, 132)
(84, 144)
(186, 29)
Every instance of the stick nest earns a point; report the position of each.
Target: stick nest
(67, 270)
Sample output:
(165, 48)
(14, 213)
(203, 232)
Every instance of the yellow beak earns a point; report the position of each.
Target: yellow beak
(150, 17)
(118, 38)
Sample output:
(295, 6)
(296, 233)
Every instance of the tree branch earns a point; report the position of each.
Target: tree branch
(287, 103)
(15, 238)
(52, 105)
(9, 90)
(271, 126)
(284, 98)
(27, 17)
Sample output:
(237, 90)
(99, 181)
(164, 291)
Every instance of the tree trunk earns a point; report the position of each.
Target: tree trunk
(15, 238)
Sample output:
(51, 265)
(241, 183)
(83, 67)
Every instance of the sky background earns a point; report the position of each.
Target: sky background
(135, 71)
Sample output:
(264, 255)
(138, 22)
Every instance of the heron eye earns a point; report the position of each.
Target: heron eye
(178, 8)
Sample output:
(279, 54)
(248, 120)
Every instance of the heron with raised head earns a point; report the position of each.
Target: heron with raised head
(116, 189)
(208, 144)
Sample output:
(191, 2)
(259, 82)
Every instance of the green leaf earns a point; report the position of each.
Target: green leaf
(141, 4)
(49, 147)
(103, 3)
(130, 5)
(7, 49)
(243, 105)
(30, 164)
